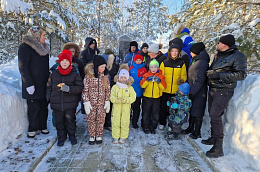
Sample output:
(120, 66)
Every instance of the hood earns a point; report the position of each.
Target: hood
(185, 30)
(203, 55)
(72, 45)
(41, 49)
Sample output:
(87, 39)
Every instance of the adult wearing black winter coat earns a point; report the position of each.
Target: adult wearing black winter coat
(197, 79)
(90, 51)
(33, 61)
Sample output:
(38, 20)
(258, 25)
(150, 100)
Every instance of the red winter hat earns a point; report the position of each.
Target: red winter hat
(138, 56)
(65, 54)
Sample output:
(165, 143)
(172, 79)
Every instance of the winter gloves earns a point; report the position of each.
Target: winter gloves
(212, 74)
(65, 88)
(87, 107)
(174, 105)
(30, 89)
(154, 79)
(107, 106)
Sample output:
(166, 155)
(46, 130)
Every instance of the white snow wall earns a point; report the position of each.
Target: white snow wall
(13, 117)
(243, 121)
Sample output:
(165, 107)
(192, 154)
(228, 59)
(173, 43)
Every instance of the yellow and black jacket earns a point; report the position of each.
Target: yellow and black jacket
(173, 70)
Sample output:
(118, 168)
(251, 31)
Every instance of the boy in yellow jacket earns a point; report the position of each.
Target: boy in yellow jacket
(154, 82)
(122, 96)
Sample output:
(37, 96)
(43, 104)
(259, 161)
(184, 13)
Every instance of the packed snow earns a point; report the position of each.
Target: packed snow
(242, 120)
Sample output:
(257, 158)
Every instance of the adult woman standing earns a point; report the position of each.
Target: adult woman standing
(33, 61)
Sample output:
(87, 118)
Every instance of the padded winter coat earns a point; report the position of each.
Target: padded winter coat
(231, 66)
(33, 63)
(88, 54)
(198, 83)
(137, 71)
(153, 89)
(173, 70)
(60, 100)
(129, 58)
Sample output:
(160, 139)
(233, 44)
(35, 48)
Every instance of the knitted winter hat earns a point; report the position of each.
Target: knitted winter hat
(124, 72)
(177, 41)
(98, 61)
(34, 31)
(184, 88)
(138, 56)
(197, 48)
(154, 48)
(228, 40)
(154, 63)
(144, 45)
(65, 54)
(175, 46)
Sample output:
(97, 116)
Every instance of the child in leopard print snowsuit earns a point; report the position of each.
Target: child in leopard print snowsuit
(96, 94)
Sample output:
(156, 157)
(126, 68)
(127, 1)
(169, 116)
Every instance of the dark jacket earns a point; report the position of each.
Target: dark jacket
(160, 58)
(197, 79)
(231, 66)
(33, 62)
(80, 67)
(147, 60)
(87, 55)
(60, 100)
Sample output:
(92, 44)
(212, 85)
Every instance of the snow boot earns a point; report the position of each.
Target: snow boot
(60, 142)
(73, 139)
(209, 141)
(190, 129)
(217, 150)
(45, 131)
(98, 140)
(146, 131)
(196, 133)
(31, 134)
(152, 131)
(91, 140)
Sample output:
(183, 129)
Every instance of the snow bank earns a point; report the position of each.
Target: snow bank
(13, 121)
(243, 121)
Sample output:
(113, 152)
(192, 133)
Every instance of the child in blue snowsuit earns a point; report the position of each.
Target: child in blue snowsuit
(179, 107)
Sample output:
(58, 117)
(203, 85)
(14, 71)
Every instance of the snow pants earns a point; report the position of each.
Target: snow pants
(37, 114)
(120, 120)
(96, 120)
(151, 112)
(164, 113)
(65, 123)
(217, 103)
(136, 110)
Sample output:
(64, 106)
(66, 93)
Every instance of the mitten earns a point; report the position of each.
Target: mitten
(150, 78)
(213, 74)
(168, 103)
(157, 79)
(107, 106)
(65, 88)
(87, 107)
(175, 106)
(30, 89)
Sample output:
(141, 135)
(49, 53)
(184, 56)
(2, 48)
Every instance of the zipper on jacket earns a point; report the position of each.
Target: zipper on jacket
(98, 94)
(152, 90)
(172, 79)
(62, 105)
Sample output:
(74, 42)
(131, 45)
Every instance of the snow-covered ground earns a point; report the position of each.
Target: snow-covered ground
(242, 120)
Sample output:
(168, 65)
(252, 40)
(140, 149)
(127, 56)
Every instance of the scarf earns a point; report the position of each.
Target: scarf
(121, 85)
(64, 71)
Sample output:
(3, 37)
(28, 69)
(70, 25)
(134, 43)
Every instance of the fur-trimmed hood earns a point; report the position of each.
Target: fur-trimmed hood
(89, 70)
(111, 59)
(124, 66)
(41, 49)
(69, 45)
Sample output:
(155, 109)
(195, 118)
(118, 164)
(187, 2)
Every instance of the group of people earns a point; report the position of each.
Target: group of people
(164, 88)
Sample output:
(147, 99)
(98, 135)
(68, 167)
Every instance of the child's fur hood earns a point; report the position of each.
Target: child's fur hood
(72, 45)
(124, 66)
(89, 70)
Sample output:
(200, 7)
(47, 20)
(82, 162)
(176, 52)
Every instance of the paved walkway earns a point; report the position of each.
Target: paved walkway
(140, 153)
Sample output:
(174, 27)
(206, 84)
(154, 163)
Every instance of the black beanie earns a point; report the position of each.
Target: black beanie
(176, 41)
(197, 48)
(228, 40)
(133, 43)
(97, 61)
(144, 45)
(175, 46)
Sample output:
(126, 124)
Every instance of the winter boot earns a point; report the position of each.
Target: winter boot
(209, 141)
(217, 150)
(98, 140)
(190, 129)
(196, 133)
(60, 142)
(73, 139)
(91, 140)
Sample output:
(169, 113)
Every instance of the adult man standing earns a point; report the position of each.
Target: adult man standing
(90, 51)
(133, 50)
(228, 67)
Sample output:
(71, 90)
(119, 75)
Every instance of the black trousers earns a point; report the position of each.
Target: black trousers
(65, 123)
(151, 112)
(217, 103)
(108, 117)
(37, 114)
(164, 113)
(136, 110)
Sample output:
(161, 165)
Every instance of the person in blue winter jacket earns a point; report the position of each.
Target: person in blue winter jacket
(133, 50)
(137, 71)
(183, 33)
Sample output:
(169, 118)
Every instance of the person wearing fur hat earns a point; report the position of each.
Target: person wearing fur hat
(154, 53)
(63, 92)
(197, 79)
(90, 51)
(122, 96)
(228, 67)
(133, 50)
(179, 107)
(153, 83)
(33, 63)
(96, 94)
(172, 68)
(137, 71)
